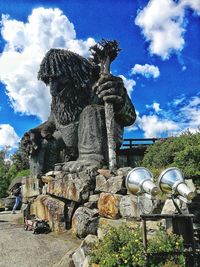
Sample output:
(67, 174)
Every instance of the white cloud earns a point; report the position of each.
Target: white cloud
(26, 45)
(153, 126)
(184, 68)
(163, 24)
(193, 4)
(155, 106)
(180, 115)
(8, 136)
(129, 84)
(178, 100)
(190, 114)
(146, 70)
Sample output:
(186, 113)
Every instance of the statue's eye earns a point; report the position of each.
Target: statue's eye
(64, 80)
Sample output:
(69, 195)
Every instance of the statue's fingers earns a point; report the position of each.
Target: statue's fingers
(108, 92)
(95, 87)
(107, 85)
(104, 79)
(113, 99)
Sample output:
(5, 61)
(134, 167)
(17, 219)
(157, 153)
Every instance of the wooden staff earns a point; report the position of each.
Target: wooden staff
(104, 53)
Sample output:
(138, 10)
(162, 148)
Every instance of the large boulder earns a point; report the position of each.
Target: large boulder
(129, 207)
(30, 187)
(72, 186)
(85, 222)
(92, 202)
(81, 255)
(51, 209)
(108, 205)
(114, 184)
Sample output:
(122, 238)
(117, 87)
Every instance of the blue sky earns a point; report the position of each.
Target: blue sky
(159, 61)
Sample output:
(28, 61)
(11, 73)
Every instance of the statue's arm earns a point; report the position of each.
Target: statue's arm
(126, 115)
(31, 141)
(111, 89)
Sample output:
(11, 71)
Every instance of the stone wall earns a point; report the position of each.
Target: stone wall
(82, 200)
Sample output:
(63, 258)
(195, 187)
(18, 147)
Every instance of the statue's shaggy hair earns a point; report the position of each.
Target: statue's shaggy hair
(77, 93)
(64, 63)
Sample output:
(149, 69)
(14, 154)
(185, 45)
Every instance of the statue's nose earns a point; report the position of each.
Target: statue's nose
(53, 88)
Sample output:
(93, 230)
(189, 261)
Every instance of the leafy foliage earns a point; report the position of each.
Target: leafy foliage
(16, 167)
(4, 180)
(182, 152)
(123, 247)
(120, 247)
(164, 242)
(23, 173)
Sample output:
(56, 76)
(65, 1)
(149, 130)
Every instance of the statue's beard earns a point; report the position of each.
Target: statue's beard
(69, 103)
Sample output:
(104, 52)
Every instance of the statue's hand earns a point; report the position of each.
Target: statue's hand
(110, 89)
(31, 141)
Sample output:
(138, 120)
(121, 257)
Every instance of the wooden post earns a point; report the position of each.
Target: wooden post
(104, 53)
(110, 126)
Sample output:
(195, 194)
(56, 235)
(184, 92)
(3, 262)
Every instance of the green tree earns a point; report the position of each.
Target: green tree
(19, 163)
(182, 152)
(4, 180)
(9, 169)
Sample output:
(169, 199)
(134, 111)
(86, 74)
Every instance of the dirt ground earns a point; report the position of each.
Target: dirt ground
(20, 248)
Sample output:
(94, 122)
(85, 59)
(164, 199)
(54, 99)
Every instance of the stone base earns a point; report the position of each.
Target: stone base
(79, 200)
(72, 186)
(51, 209)
(30, 187)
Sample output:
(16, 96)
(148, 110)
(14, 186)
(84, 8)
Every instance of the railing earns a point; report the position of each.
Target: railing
(182, 224)
(133, 142)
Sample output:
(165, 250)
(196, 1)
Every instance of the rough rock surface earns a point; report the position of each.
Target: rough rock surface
(108, 205)
(117, 185)
(30, 187)
(101, 183)
(124, 171)
(51, 209)
(72, 186)
(105, 172)
(129, 207)
(80, 256)
(169, 207)
(84, 222)
(114, 184)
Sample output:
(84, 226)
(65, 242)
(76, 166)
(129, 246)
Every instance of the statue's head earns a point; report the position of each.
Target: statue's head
(70, 78)
(64, 69)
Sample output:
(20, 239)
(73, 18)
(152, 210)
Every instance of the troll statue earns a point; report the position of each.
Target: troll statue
(76, 126)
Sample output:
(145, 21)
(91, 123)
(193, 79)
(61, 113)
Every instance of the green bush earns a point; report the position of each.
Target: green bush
(164, 242)
(119, 247)
(9, 170)
(23, 173)
(182, 152)
(123, 247)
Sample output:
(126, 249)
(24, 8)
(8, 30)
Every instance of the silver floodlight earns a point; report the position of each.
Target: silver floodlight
(140, 180)
(171, 181)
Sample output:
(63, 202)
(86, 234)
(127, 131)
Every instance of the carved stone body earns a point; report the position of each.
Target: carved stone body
(77, 120)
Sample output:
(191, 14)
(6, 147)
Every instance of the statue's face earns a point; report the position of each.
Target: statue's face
(57, 85)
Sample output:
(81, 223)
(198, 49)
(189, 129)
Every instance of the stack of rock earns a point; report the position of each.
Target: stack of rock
(84, 201)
